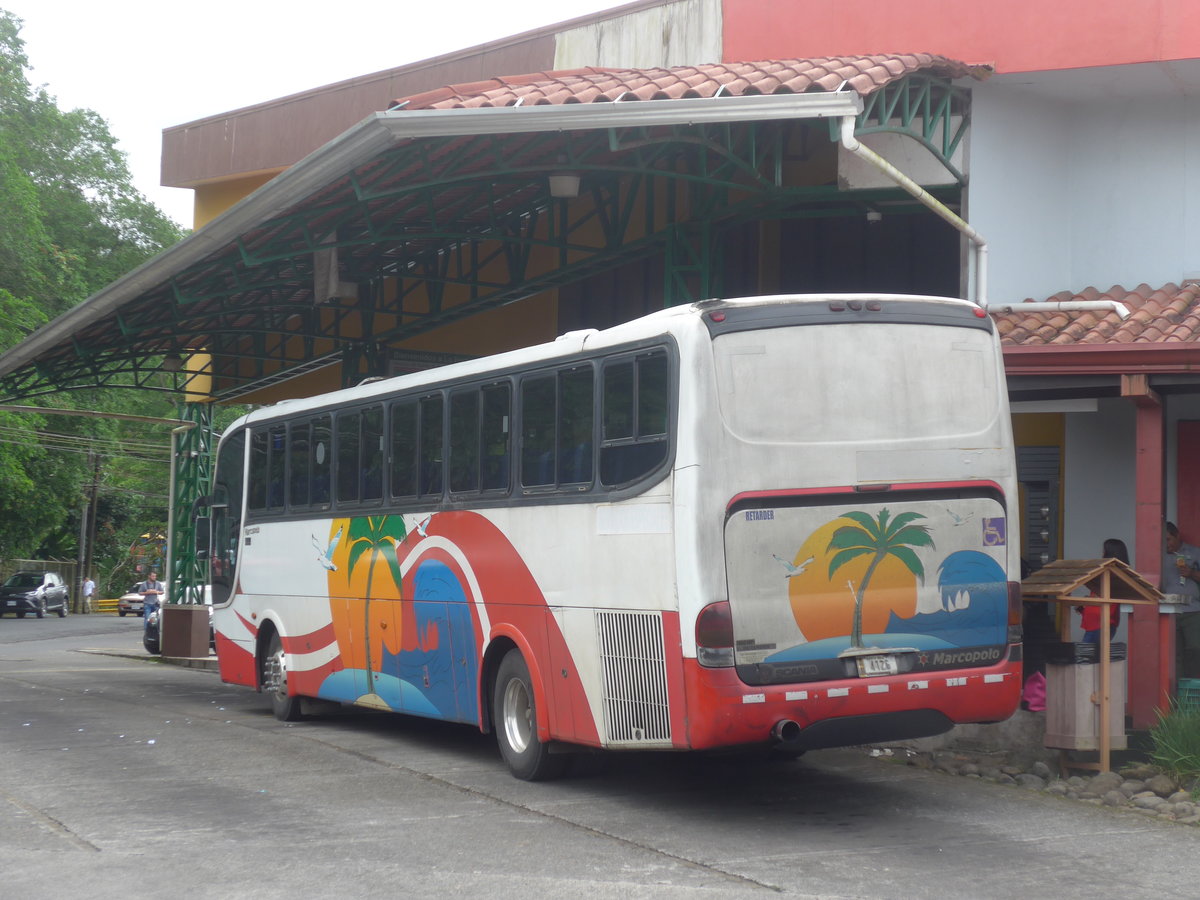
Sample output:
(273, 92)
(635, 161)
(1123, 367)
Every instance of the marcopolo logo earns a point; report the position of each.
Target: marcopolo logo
(963, 657)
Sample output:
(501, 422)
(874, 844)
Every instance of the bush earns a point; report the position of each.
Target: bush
(1176, 740)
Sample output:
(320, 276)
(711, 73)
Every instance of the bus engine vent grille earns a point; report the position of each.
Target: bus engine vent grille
(635, 677)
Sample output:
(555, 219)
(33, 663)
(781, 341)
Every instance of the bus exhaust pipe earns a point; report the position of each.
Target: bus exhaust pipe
(785, 731)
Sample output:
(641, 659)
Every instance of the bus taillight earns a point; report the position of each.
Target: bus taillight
(714, 635)
(1015, 612)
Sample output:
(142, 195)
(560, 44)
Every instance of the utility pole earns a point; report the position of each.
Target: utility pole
(81, 556)
(91, 544)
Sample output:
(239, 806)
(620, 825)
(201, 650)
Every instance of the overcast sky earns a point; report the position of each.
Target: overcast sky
(145, 65)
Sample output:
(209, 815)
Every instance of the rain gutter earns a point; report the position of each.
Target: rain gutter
(1158, 358)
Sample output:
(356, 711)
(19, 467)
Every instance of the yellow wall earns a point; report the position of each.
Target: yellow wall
(1042, 430)
(213, 199)
(1038, 429)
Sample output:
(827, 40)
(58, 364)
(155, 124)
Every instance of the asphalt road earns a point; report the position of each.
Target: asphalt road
(125, 777)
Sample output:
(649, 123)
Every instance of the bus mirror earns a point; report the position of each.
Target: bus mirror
(203, 536)
(204, 501)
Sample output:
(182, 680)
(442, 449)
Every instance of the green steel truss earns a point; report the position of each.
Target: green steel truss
(436, 230)
(191, 463)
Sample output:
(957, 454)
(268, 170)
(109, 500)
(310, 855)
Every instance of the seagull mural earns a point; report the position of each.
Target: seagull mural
(792, 569)
(960, 520)
(325, 555)
(423, 524)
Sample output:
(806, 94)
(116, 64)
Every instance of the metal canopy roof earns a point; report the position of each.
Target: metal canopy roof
(446, 198)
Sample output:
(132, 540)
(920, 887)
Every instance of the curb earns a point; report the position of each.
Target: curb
(206, 663)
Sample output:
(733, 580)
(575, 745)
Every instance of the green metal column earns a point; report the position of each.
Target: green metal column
(692, 263)
(191, 477)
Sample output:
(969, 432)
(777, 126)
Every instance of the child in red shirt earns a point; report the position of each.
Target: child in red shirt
(1090, 615)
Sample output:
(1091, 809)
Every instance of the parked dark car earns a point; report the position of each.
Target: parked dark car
(33, 592)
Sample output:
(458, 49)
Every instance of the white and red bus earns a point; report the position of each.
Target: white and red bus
(774, 519)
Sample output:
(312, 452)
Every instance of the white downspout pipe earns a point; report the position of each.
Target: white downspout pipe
(852, 144)
(1120, 309)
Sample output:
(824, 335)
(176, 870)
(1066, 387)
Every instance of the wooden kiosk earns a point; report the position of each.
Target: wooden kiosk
(1111, 583)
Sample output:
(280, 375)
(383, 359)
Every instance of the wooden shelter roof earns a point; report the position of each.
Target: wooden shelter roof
(1059, 580)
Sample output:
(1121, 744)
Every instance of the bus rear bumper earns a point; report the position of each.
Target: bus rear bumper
(723, 711)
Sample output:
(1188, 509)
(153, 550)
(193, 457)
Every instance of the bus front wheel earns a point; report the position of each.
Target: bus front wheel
(515, 716)
(274, 682)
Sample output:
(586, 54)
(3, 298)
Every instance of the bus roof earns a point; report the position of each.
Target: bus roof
(658, 323)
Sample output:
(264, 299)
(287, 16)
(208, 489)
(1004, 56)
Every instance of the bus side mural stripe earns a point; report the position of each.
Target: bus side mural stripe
(515, 608)
(236, 662)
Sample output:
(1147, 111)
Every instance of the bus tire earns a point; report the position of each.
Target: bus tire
(274, 681)
(515, 715)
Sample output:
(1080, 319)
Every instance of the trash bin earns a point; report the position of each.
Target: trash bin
(1073, 696)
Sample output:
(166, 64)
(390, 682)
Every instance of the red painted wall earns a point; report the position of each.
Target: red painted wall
(1187, 480)
(1012, 35)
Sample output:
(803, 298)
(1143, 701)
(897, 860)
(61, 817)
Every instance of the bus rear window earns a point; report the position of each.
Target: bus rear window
(856, 383)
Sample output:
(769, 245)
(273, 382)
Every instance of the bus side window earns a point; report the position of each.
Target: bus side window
(494, 438)
(464, 441)
(298, 464)
(634, 418)
(348, 424)
(276, 466)
(537, 431)
(227, 515)
(431, 449)
(257, 499)
(322, 459)
(654, 399)
(372, 453)
(404, 449)
(575, 424)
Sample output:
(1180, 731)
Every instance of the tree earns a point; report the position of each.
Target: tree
(882, 537)
(71, 222)
(378, 537)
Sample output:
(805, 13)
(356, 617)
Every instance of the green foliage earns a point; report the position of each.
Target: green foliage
(71, 223)
(1176, 740)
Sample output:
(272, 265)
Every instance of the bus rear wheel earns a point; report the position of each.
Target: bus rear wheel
(274, 681)
(514, 712)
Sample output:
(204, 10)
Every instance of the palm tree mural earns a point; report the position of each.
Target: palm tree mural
(882, 537)
(377, 537)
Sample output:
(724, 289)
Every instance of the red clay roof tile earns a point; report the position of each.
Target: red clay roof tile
(862, 74)
(1170, 314)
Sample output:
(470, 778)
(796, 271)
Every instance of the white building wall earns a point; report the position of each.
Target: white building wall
(1129, 194)
(1098, 490)
(1071, 195)
(1020, 153)
(676, 34)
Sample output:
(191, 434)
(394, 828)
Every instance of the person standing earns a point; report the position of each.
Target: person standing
(1181, 576)
(152, 592)
(89, 590)
(1090, 616)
